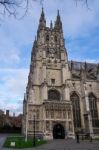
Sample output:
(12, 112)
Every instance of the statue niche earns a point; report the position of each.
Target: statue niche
(53, 95)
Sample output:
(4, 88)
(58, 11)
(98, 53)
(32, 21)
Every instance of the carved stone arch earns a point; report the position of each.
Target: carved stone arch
(92, 94)
(53, 88)
(76, 92)
(93, 109)
(58, 131)
(54, 94)
(75, 99)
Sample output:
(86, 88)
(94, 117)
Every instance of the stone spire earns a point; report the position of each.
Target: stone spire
(51, 25)
(98, 72)
(71, 65)
(58, 23)
(42, 21)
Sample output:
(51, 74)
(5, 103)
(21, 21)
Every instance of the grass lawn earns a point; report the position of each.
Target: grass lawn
(96, 139)
(21, 143)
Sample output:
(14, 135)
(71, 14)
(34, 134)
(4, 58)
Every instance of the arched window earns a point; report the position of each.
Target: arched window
(53, 95)
(76, 110)
(93, 110)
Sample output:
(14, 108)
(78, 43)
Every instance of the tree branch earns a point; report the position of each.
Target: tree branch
(85, 2)
(11, 7)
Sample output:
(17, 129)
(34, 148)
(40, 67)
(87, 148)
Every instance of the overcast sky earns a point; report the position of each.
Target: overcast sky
(81, 33)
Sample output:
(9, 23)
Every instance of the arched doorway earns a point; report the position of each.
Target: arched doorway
(58, 131)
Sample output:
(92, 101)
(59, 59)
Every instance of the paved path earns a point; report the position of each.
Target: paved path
(69, 145)
(61, 145)
(2, 139)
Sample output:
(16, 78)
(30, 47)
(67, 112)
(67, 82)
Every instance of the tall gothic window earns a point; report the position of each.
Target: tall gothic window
(93, 110)
(76, 110)
(53, 95)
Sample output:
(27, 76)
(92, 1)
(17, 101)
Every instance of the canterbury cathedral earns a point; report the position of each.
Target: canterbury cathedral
(62, 96)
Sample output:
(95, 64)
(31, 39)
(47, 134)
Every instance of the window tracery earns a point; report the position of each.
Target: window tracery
(53, 95)
(93, 109)
(76, 110)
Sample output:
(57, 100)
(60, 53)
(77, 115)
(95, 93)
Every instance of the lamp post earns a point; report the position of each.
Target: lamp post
(34, 142)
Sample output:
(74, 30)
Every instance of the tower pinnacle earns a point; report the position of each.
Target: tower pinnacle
(58, 16)
(42, 15)
(51, 25)
(42, 21)
(58, 23)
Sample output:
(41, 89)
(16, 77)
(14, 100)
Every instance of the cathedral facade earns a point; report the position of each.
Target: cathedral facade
(62, 96)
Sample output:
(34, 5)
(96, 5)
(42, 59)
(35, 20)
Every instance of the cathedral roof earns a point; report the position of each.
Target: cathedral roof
(89, 69)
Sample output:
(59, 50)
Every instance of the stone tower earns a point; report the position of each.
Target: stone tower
(47, 94)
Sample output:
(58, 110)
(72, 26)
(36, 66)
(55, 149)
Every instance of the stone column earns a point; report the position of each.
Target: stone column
(37, 75)
(43, 118)
(66, 91)
(73, 132)
(88, 113)
(44, 81)
(44, 91)
(43, 73)
(64, 72)
(31, 97)
(44, 66)
(50, 122)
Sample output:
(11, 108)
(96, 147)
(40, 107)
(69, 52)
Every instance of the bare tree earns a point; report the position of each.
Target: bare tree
(85, 2)
(11, 7)
(8, 7)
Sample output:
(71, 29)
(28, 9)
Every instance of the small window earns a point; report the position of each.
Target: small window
(53, 81)
(47, 38)
(55, 38)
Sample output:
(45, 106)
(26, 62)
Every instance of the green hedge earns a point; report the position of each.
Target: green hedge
(21, 143)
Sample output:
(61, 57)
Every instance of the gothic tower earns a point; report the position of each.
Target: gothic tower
(47, 94)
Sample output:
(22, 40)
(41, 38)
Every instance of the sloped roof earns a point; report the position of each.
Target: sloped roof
(90, 69)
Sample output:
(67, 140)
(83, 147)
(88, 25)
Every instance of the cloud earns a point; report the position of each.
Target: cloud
(9, 52)
(84, 48)
(12, 88)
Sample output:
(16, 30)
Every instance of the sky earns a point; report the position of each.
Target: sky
(81, 33)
